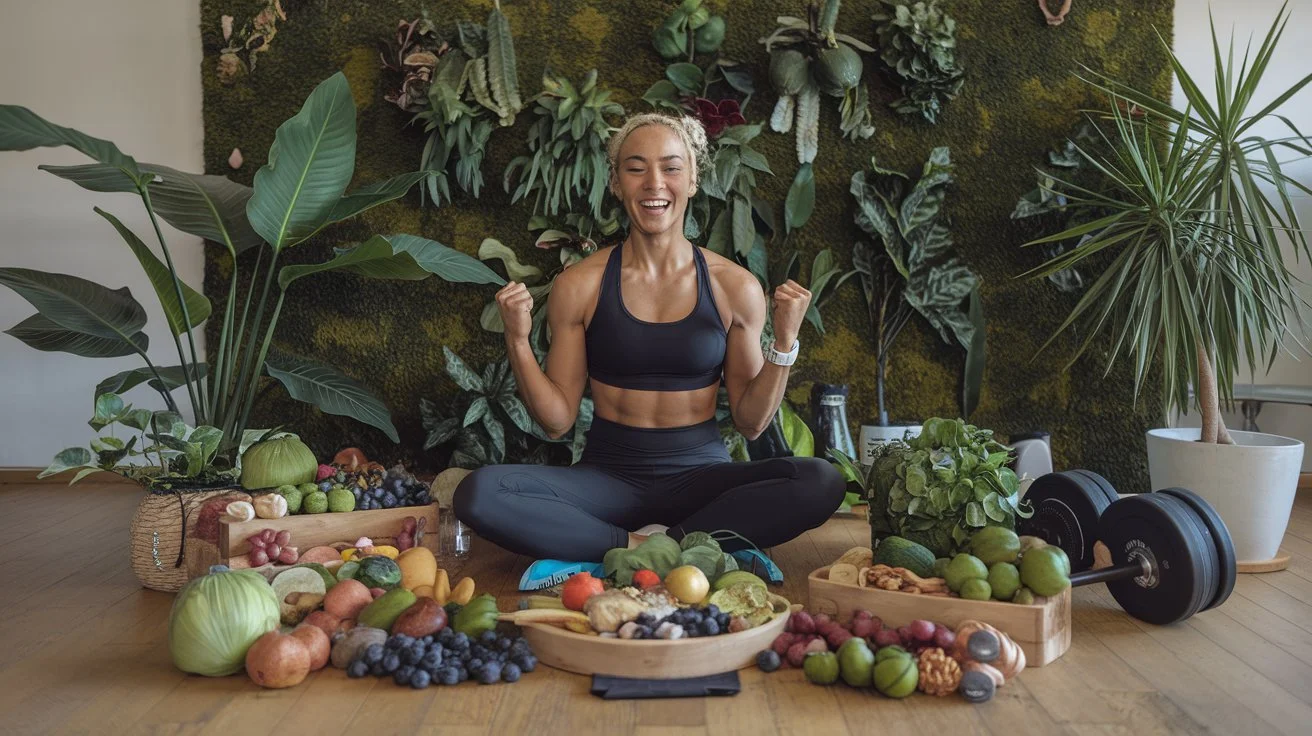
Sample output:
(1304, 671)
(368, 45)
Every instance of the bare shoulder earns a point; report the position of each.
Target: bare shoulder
(575, 289)
(735, 282)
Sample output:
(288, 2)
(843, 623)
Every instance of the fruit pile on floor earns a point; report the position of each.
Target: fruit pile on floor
(387, 615)
(974, 659)
(999, 566)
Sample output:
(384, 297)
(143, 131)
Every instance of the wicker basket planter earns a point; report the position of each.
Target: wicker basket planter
(163, 534)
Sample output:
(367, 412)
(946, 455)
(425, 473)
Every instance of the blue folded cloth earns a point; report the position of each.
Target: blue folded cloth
(546, 573)
(755, 562)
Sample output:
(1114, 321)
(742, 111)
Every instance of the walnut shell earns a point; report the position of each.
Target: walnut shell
(939, 673)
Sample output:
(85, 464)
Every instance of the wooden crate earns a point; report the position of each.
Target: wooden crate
(652, 659)
(1043, 629)
(313, 530)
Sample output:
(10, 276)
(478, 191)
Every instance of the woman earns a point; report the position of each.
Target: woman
(655, 324)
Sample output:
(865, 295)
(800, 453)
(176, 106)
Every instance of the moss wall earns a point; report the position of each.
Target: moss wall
(1020, 98)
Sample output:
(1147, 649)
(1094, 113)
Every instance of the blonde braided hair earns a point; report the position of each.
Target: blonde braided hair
(689, 130)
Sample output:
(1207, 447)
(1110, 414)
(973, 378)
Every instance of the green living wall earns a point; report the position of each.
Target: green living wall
(1020, 98)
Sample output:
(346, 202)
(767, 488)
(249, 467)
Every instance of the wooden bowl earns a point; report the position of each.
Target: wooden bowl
(653, 659)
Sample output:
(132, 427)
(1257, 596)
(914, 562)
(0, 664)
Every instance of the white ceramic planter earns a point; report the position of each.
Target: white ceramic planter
(1251, 483)
(873, 436)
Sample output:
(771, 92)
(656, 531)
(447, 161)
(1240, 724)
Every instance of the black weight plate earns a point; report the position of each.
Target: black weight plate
(1147, 526)
(1225, 547)
(1066, 510)
(1102, 483)
(1206, 550)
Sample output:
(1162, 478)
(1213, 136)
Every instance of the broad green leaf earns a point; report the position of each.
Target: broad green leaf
(72, 457)
(108, 408)
(172, 377)
(368, 197)
(477, 408)
(582, 423)
(310, 165)
(663, 94)
(374, 258)
(518, 413)
(95, 177)
(800, 202)
(744, 232)
(975, 514)
(1010, 483)
(502, 74)
(721, 234)
(491, 248)
(447, 263)
(756, 263)
(686, 76)
(182, 315)
(79, 305)
(916, 481)
(993, 508)
(461, 373)
(754, 159)
(22, 130)
(497, 433)
(204, 205)
(330, 391)
(40, 332)
(138, 419)
(796, 433)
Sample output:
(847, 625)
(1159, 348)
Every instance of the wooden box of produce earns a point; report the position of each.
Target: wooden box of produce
(1043, 630)
(313, 530)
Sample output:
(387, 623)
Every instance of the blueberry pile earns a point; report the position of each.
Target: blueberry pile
(446, 659)
(710, 621)
(376, 489)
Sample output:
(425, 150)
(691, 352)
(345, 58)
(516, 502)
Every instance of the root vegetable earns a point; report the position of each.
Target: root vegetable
(922, 630)
(796, 653)
(782, 643)
(273, 550)
(259, 557)
(316, 643)
(287, 555)
(887, 638)
(864, 627)
(283, 538)
(801, 623)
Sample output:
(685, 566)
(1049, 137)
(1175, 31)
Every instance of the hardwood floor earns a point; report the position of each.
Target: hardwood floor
(84, 650)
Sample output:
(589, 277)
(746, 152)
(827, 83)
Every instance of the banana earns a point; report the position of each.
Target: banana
(544, 601)
(580, 627)
(551, 616)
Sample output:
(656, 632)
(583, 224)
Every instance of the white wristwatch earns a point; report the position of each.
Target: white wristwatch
(778, 358)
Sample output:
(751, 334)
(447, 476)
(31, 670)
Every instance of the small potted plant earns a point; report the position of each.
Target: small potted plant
(1195, 206)
(301, 191)
(911, 269)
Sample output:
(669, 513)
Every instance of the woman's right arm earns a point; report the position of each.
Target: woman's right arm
(552, 397)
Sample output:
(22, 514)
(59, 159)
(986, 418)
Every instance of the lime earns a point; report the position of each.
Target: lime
(821, 668)
(1045, 570)
(890, 651)
(1004, 579)
(1024, 596)
(941, 566)
(962, 568)
(994, 544)
(976, 590)
(896, 677)
(856, 662)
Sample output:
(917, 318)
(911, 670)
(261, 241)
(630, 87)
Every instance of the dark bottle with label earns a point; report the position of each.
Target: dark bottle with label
(829, 420)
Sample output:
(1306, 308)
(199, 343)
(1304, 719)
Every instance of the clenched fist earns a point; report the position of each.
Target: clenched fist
(516, 306)
(790, 303)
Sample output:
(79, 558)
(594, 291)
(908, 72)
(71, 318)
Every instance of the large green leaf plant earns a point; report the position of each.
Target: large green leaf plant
(1194, 211)
(301, 190)
(913, 269)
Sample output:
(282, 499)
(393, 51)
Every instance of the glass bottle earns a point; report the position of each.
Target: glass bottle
(829, 419)
(454, 539)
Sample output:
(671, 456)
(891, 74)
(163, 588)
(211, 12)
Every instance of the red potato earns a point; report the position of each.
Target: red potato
(316, 643)
(325, 621)
(282, 538)
(347, 599)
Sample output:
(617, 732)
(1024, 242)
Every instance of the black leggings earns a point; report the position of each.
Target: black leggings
(630, 477)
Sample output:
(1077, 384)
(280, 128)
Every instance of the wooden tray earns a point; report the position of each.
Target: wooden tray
(651, 658)
(1043, 630)
(313, 530)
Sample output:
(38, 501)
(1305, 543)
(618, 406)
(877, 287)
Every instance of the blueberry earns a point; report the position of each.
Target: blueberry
(504, 643)
(448, 676)
(357, 668)
(768, 660)
(711, 627)
(528, 664)
(474, 664)
(326, 486)
(402, 675)
(444, 636)
(428, 640)
(488, 637)
(376, 669)
(464, 674)
(491, 674)
(691, 632)
(389, 501)
(373, 654)
(723, 621)
(408, 655)
(419, 680)
(460, 640)
(644, 632)
(423, 499)
(432, 660)
(713, 611)
(391, 663)
(510, 673)
(378, 493)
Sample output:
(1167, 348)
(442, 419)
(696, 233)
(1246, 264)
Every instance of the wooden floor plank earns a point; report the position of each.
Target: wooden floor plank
(84, 652)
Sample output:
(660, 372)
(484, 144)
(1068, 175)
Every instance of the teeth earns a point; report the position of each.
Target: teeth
(654, 202)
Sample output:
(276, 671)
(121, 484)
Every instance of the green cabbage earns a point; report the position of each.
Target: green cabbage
(217, 617)
(659, 553)
(698, 539)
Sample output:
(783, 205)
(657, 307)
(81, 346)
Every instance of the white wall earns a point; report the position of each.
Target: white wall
(127, 71)
(1293, 61)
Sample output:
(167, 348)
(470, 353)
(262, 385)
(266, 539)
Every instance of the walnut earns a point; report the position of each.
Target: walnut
(900, 579)
(939, 673)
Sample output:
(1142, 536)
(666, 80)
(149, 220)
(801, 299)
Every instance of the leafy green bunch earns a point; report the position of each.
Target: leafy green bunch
(941, 487)
(567, 167)
(918, 44)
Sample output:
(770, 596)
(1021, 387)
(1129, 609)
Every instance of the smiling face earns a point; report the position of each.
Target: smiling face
(654, 178)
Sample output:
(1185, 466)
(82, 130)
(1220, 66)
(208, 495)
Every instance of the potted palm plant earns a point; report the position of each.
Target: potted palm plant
(299, 192)
(1194, 207)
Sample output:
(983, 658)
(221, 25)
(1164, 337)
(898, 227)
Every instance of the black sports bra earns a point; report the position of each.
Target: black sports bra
(626, 352)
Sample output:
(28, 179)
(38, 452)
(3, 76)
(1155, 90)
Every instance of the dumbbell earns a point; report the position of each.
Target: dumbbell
(1172, 555)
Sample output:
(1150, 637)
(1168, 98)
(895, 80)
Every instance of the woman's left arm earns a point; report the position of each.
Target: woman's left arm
(756, 386)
